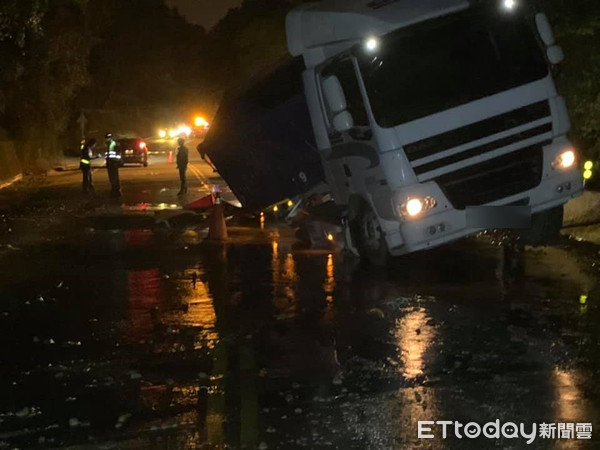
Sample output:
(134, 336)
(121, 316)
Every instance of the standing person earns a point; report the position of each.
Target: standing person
(182, 163)
(85, 164)
(113, 161)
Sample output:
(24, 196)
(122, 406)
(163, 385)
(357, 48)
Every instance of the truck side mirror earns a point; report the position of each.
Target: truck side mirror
(343, 121)
(545, 29)
(336, 100)
(555, 54)
(334, 94)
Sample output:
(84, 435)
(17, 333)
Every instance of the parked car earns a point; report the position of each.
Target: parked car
(134, 151)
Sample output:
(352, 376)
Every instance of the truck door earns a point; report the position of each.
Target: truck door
(353, 151)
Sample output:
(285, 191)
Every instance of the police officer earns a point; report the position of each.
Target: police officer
(113, 161)
(85, 164)
(182, 163)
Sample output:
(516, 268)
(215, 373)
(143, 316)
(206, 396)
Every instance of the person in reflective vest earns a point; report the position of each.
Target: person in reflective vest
(182, 163)
(113, 162)
(85, 164)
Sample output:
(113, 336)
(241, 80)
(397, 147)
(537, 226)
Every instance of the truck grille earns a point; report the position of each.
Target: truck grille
(529, 127)
(518, 171)
(479, 130)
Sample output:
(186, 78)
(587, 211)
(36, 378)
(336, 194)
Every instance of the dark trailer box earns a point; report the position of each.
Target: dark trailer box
(261, 140)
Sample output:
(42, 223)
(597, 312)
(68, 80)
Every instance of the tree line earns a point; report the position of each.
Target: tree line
(60, 56)
(577, 27)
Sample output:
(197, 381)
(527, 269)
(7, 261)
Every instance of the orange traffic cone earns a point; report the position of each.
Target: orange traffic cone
(202, 203)
(217, 228)
(171, 157)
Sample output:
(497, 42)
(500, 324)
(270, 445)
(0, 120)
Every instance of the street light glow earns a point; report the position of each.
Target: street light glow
(510, 4)
(200, 122)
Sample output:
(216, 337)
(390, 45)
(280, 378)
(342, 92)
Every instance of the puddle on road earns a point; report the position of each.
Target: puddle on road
(161, 341)
(415, 336)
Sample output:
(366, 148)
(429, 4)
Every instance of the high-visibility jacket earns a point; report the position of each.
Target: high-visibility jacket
(86, 156)
(113, 152)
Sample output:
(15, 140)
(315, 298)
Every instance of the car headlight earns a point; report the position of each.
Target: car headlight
(565, 160)
(414, 207)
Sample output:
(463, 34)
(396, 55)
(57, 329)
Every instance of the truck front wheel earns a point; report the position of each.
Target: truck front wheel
(368, 236)
(545, 227)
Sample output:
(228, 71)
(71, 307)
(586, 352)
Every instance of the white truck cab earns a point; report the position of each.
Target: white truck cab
(425, 111)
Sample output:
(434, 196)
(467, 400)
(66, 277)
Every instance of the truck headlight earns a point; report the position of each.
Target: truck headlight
(416, 206)
(565, 160)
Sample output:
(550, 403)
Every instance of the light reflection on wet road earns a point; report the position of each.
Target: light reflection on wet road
(150, 340)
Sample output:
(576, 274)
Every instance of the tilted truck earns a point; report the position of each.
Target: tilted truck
(426, 121)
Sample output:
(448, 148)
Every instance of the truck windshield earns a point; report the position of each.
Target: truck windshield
(447, 62)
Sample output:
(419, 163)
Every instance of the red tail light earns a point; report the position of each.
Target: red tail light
(142, 145)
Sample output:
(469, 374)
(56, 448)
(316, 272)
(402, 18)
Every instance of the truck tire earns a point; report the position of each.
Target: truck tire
(368, 237)
(545, 227)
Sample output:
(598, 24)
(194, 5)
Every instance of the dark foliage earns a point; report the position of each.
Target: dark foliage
(63, 55)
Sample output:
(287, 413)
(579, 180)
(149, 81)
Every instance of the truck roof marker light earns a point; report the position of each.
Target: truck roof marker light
(509, 4)
(371, 44)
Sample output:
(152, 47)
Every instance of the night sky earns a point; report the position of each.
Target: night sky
(204, 12)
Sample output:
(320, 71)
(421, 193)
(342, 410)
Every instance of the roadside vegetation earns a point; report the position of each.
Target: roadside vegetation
(61, 56)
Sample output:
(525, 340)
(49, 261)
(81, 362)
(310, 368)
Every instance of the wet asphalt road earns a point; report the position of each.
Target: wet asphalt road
(121, 328)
